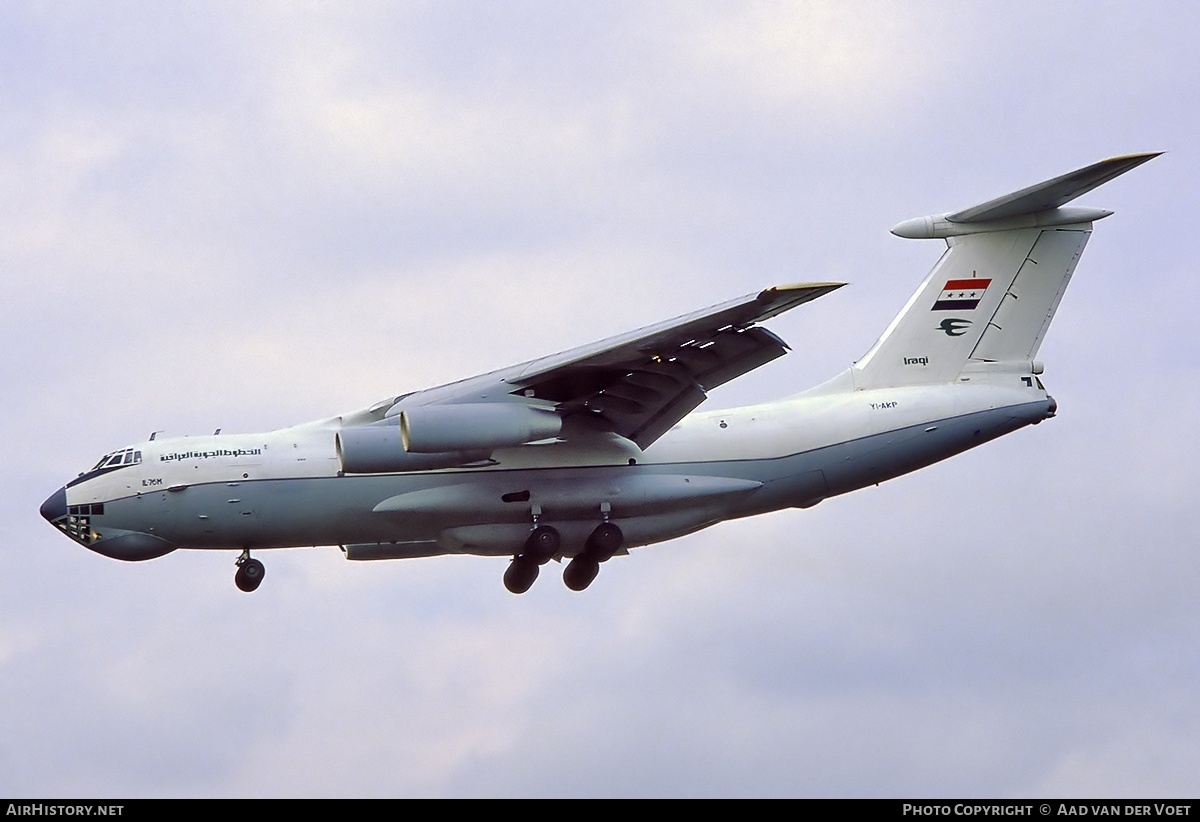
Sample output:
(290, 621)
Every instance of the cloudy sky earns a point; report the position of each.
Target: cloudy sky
(247, 215)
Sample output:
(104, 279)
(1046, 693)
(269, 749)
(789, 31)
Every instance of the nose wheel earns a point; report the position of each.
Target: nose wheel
(249, 574)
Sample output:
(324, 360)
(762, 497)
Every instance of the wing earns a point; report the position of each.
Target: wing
(638, 384)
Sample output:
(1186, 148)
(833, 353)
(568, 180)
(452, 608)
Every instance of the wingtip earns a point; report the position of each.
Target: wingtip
(779, 298)
(828, 286)
(1137, 155)
(1128, 162)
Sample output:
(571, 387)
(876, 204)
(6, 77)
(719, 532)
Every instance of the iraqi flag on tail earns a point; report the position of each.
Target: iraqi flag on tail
(961, 295)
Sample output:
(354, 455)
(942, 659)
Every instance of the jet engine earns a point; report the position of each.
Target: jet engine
(433, 429)
(377, 449)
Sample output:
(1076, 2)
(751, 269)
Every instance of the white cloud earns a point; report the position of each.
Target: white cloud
(852, 65)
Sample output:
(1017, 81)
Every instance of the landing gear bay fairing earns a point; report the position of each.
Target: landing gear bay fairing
(578, 457)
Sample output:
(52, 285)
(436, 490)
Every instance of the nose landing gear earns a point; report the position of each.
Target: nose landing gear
(250, 572)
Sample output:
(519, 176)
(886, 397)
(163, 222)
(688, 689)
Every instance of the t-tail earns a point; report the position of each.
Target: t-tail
(988, 302)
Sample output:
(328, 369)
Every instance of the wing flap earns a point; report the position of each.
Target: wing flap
(645, 429)
(739, 353)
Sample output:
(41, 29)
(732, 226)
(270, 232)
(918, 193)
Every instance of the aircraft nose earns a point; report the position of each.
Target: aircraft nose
(55, 506)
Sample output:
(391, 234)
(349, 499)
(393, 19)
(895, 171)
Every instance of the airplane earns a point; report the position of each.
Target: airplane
(583, 455)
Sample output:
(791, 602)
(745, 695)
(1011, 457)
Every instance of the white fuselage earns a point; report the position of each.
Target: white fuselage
(285, 488)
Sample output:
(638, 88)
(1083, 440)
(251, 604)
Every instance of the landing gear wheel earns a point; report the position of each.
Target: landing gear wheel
(249, 574)
(521, 573)
(605, 541)
(543, 544)
(580, 572)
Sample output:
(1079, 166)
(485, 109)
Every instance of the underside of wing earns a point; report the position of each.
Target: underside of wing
(636, 385)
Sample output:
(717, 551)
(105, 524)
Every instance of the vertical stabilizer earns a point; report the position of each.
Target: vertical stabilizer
(991, 297)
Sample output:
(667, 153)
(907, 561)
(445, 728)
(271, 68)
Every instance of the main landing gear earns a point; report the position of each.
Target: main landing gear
(542, 546)
(250, 572)
(539, 549)
(605, 541)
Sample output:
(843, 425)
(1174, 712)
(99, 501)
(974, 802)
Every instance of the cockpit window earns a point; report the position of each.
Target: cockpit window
(126, 456)
(110, 462)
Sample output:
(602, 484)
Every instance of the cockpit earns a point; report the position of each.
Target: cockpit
(127, 456)
(110, 462)
(87, 517)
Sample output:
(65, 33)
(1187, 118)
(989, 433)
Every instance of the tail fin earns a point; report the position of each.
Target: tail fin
(993, 294)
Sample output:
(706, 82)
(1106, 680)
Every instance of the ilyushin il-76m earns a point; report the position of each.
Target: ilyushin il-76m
(578, 457)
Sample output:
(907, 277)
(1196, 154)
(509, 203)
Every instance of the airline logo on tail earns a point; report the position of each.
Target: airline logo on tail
(961, 295)
(954, 326)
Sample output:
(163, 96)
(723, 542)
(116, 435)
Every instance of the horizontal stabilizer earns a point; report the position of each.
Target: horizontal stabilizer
(1052, 193)
(1038, 205)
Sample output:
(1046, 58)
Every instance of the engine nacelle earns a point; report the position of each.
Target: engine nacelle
(431, 429)
(378, 449)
